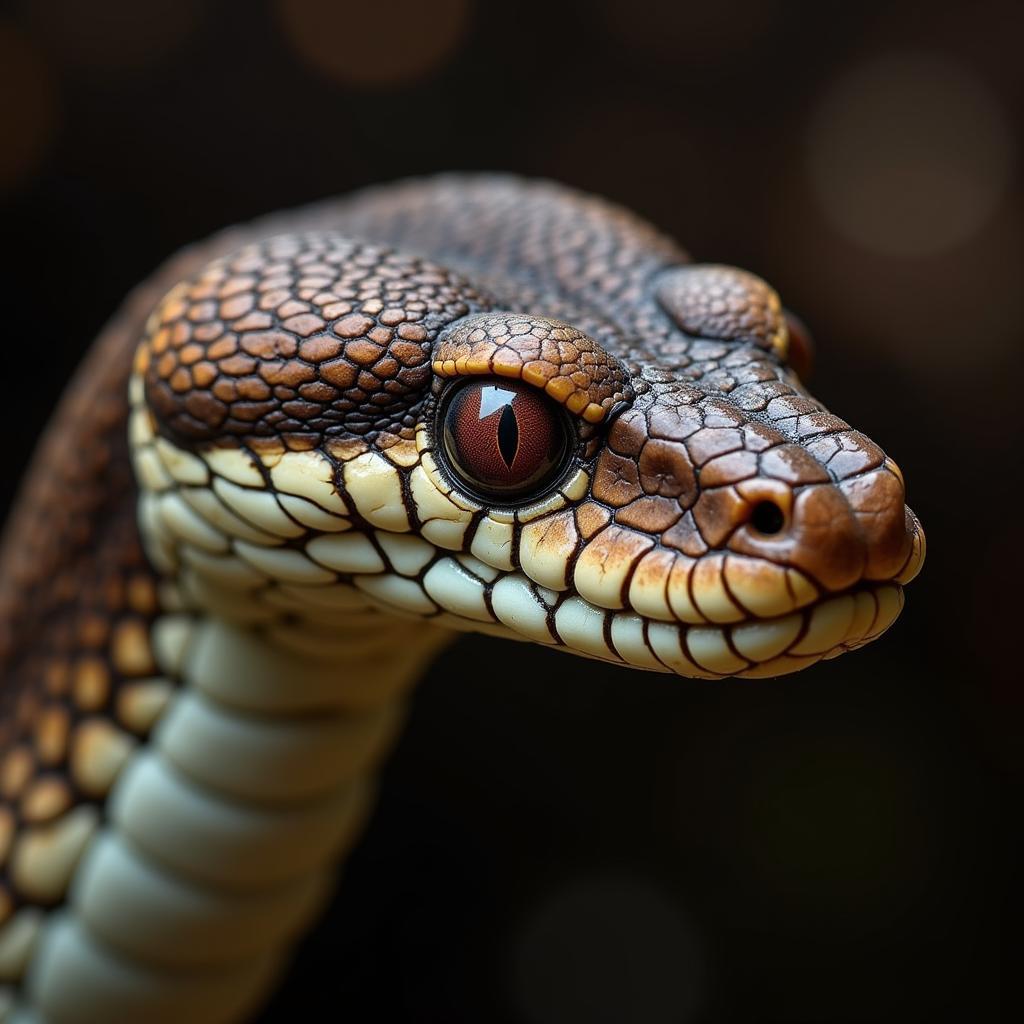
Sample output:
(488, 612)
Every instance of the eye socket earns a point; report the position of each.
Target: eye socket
(503, 439)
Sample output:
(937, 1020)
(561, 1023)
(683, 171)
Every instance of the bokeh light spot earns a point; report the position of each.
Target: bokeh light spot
(608, 948)
(703, 34)
(909, 154)
(378, 44)
(114, 35)
(28, 116)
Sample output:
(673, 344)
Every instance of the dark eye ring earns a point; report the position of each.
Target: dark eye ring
(503, 440)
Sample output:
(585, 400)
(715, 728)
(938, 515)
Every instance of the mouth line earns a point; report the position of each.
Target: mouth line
(517, 608)
(750, 648)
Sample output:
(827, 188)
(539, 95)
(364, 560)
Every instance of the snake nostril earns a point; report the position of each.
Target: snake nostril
(767, 518)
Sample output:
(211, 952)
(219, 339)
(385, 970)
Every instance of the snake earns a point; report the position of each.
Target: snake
(305, 456)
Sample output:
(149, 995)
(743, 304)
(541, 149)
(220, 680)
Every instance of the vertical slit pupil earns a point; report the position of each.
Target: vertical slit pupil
(508, 435)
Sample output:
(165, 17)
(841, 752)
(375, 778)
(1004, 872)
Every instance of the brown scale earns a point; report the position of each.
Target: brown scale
(554, 356)
(300, 338)
(88, 653)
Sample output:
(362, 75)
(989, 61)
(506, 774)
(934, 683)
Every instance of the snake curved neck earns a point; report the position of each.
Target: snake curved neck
(222, 839)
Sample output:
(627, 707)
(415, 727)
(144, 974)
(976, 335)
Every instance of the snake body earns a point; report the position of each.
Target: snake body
(246, 532)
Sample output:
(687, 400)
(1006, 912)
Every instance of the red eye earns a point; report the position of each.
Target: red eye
(504, 438)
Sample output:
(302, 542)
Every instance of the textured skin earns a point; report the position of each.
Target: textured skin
(724, 394)
(76, 600)
(561, 360)
(333, 332)
(301, 340)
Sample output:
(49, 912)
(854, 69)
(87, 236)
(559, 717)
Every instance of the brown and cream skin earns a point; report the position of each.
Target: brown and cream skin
(464, 404)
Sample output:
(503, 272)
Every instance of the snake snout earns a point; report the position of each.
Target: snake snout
(839, 534)
(893, 536)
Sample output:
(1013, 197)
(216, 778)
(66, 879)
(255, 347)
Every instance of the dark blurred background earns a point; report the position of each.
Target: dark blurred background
(559, 842)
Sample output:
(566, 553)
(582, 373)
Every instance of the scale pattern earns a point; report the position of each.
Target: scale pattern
(551, 355)
(301, 339)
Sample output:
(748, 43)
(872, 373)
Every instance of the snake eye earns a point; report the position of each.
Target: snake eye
(504, 439)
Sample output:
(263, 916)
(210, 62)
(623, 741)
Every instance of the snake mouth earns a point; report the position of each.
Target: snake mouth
(753, 648)
(766, 638)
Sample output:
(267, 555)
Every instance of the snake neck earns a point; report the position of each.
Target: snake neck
(228, 826)
(296, 668)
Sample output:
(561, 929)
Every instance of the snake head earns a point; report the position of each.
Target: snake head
(326, 432)
(736, 528)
